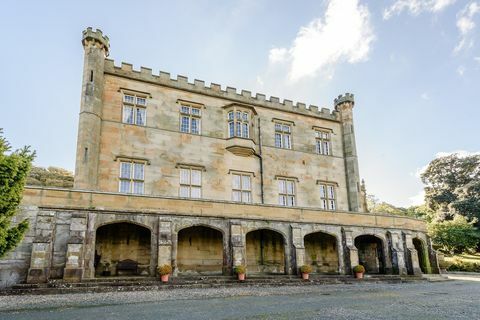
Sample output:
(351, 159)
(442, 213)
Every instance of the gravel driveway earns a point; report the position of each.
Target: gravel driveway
(442, 300)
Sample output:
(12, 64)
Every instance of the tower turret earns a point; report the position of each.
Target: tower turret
(344, 105)
(96, 47)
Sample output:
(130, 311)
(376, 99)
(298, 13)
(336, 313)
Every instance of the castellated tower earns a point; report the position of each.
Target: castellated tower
(96, 47)
(344, 105)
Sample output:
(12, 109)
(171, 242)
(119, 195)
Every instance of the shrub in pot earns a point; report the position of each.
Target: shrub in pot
(359, 271)
(240, 271)
(164, 271)
(305, 270)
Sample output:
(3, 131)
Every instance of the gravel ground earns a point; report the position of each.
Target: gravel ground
(442, 300)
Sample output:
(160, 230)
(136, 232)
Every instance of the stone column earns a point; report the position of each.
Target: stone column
(165, 244)
(299, 247)
(340, 252)
(398, 254)
(411, 255)
(433, 257)
(41, 258)
(351, 252)
(74, 266)
(237, 240)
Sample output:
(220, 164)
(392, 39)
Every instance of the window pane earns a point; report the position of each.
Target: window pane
(326, 147)
(231, 129)
(238, 115)
(138, 171)
(331, 192)
(184, 176)
(282, 200)
(246, 196)
(141, 116)
(184, 126)
(141, 101)
(332, 205)
(129, 99)
(324, 204)
(236, 196)
(245, 130)
(125, 186)
(125, 169)
(290, 187)
(245, 116)
(196, 111)
(246, 183)
(236, 182)
(195, 126)
(286, 141)
(127, 114)
(322, 191)
(138, 187)
(185, 109)
(238, 129)
(318, 146)
(290, 201)
(278, 127)
(184, 191)
(196, 177)
(196, 192)
(278, 140)
(230, 115)
(281, 186)
(286, 128)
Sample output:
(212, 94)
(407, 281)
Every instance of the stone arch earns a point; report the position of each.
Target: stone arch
(422, 253)
(200, 250)
(265, 251)
(372, 251)
(321, 252)
(122, 248)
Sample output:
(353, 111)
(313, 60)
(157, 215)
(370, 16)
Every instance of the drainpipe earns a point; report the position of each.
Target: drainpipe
(259, 155)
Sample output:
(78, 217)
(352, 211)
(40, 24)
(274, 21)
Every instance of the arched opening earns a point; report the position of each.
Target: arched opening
(370, 253)
(422, 254)
(321, 253)
(200, 251)
(122, 249)
(265, 252)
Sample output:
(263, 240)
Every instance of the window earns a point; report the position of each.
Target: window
(132, 177)
(283, 137)
(241, 187)
(238, 124)
(134, 109)
(286, 192)
(190, 183)
(322, 142)
(190, 118)
(327, 197)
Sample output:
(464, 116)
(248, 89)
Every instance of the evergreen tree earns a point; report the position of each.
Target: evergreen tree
(14, 168)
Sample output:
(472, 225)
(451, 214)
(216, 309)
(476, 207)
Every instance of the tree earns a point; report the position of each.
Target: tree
(50, 177)
(377, 206)
(14, 168)
(454, 236)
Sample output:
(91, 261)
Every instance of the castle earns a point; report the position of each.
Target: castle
(204, 179)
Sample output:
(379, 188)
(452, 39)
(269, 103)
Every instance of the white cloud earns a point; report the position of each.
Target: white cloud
(465, 26)
(461, 71)
(343, 34)
(415, 7)
(460, 154)
(425, 96)
(417, 199)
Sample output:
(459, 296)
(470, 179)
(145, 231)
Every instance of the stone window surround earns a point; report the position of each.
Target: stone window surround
(252, 113)
(327, 198)
(190, 116)
(282, 122)
(286, 194)
(322, 140)
(135, 105)
(190, 167)
(132, 179)
(240, 173)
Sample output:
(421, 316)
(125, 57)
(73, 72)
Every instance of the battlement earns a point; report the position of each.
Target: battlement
(348, 97)
(126, 70)
(97, 35)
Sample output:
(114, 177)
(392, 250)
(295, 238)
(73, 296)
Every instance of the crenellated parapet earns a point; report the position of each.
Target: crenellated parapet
(96, 37)
(215, 90)
(347, 97)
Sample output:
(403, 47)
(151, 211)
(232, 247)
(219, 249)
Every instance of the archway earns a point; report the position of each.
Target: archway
(265, 252)
(370, 253)
(200, 250)
(321, 252)
(122, 249)
(422, 254)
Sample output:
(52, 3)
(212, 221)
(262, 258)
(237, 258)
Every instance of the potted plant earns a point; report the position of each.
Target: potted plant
(106, 270)
(306, 270)
(359, 271)
(164, 271)
(240, 271)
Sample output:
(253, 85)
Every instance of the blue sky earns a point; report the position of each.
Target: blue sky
(413, 65)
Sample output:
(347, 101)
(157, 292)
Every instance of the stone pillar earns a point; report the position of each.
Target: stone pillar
(344, 105)
(41, 257)
(74, 266)
(433, 257)
(165, 245)
(411, 255)
(398, 255)
(351, 252)
(237, 240)
(299, 248)
(341, 255)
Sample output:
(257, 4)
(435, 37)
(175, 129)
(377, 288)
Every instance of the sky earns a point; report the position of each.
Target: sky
(414, 67)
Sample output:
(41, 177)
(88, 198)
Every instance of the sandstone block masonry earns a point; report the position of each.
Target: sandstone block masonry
(204, 178)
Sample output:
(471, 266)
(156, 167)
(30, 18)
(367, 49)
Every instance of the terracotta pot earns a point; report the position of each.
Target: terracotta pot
(164, 277)
(241, 276)
(359, 275)
(305, 276)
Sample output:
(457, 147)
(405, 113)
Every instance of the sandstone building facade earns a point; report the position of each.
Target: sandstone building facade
(174, 172)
